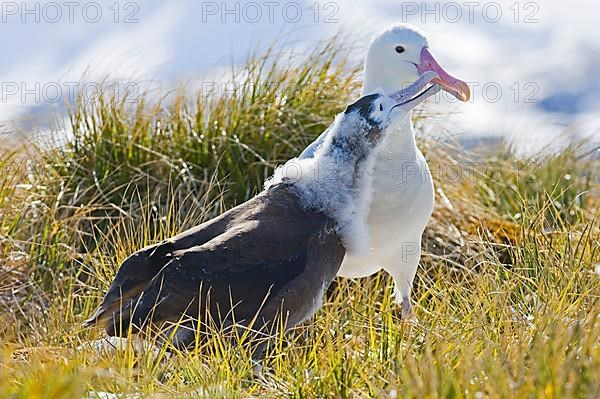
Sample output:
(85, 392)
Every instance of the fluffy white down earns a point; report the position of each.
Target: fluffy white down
(336, 182)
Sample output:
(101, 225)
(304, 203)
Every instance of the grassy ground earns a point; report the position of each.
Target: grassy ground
(507, 298)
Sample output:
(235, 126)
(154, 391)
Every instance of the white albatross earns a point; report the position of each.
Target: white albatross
(402, 186)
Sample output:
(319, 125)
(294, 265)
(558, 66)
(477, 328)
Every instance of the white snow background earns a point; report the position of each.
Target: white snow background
(533, 66)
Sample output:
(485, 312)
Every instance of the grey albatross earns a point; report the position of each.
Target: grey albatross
(272, 256)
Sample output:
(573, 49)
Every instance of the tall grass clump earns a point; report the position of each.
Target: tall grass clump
(270, 113)
(507, 298)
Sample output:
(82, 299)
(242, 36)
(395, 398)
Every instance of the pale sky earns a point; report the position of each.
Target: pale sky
(543, 56)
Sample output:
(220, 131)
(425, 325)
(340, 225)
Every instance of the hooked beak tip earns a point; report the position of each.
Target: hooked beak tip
(454, 86)
(458, 89)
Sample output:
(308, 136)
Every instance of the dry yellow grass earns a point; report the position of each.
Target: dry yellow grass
(507, 298)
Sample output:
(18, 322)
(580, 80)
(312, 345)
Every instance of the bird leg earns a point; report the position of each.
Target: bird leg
(404, 273)
(407, 310)
(402, 300)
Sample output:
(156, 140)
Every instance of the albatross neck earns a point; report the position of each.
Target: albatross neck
(402, 139)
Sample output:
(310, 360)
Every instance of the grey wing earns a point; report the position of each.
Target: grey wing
(205, 279)
(239, 271)
(138, 270)
(133, 275)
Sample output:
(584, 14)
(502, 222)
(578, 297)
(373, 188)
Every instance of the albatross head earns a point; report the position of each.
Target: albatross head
(363, 124)
(397, 56)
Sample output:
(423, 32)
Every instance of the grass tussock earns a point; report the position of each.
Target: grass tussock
(507, 299)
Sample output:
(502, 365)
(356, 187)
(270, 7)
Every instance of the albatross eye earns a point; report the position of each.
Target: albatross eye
(381, 107)
(399, 49)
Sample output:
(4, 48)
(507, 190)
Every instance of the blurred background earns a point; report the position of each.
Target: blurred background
(533, 66)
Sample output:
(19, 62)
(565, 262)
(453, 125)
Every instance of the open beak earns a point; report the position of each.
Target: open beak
(449, 83)
(424, 95)
(403, 95)
(414, 94)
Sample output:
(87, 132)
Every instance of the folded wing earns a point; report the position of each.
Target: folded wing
(231, 267)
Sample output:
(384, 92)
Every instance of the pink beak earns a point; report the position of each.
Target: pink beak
(456, 87)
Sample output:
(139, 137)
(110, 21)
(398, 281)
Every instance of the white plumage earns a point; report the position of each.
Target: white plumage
(402, 186)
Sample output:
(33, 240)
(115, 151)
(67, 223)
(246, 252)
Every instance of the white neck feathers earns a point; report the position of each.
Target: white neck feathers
(336, 182)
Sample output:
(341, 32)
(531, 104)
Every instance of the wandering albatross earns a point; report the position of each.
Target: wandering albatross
(272, 256)
(403, 193)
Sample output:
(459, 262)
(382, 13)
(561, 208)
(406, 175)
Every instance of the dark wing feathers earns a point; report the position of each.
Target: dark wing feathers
(248, 252)
(139, 268)
(132, 277)
(241, 279)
